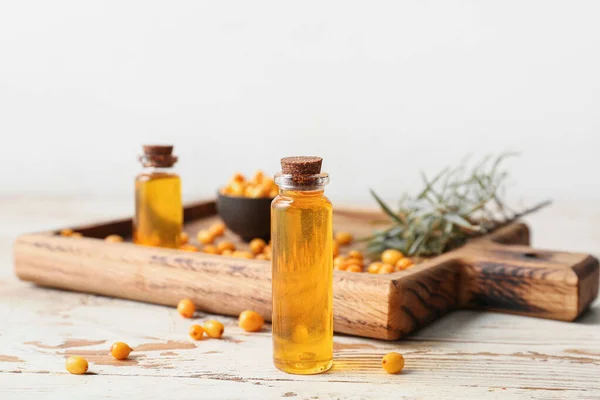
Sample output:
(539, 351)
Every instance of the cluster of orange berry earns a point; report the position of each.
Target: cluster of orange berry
(78, 365)
(250, 321)
(258, 186)
(259, 249)
(391, 260)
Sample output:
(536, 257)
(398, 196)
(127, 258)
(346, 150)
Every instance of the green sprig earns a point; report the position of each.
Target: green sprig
(454, 206)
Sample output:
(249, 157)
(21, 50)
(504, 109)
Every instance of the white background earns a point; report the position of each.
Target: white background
(379, 89)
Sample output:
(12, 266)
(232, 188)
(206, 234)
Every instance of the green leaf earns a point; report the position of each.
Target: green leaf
(460, 221)
(385, 208)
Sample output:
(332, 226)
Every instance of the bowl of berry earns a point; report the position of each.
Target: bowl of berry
(244, 205)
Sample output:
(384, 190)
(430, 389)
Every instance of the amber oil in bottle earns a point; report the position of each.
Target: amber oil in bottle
(158, 219)
(302, 280)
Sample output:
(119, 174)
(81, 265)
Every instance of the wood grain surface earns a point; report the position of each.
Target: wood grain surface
(486, 274)
(467, 354)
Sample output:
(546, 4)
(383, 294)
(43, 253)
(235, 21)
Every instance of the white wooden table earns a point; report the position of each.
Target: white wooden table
(464, 355)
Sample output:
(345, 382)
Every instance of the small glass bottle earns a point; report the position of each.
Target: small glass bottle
(158, 219)
(302, 281)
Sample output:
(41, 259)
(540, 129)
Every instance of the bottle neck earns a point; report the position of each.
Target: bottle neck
(302, 183)
(158, 170)
(301, 193)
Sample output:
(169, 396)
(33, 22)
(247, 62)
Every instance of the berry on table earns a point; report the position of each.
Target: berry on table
(210, 249)
(343, 238)
(217, 229)
(386, 269)
(403, 264)
(357, 255)
(186, 308)
(391, 256)
(196, 332)
(188, 247)
(120, 350)
(77, 365)
(205, 237)
(242, 254)
(392, 363)
(184, 237)
(113, 239)
(353, 268)
(374, 268)
(251, 321)
(225, 245)
(257, 246)
(214, 328)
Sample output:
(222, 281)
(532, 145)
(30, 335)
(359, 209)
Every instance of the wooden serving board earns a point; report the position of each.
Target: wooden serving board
(498, 272)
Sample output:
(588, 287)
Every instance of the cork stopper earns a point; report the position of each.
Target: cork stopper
(160, 156)
(299, 166)
(163, 150)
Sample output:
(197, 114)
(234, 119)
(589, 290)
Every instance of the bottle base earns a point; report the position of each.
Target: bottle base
(303, 367)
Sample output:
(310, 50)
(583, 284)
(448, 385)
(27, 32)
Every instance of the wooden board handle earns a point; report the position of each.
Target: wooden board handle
(522, 280)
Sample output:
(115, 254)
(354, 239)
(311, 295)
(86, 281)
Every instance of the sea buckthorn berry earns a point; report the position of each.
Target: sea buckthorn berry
(227, 252)
(225, 245)
(214, 328)
(340, 267)
(188, 247)
(237, 177)
(238, 188)
(217, 229)
(354, 261)
(343, 238)
(210, 249)
(354, 268)
(77, 365)
(184, 237)
(251, 321)
(386, 269)
(403, 264)
(255, 192)
(196, 332)
(257, 245)
(391, 256)
(261, 257)
(120, 350)
(355, 254)
(113, 239)
(186, 308)
(300, 334)
(268, 252)
(242, 254)
(273, 192)
(336, 249)
(340, 259)
(76, 235)
(205, 237)
(269, 183)
(392, 363)
(66, 232)
(374, 268)
(258, 177)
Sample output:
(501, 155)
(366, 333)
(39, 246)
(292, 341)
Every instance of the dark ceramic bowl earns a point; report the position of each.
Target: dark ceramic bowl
(249, 218)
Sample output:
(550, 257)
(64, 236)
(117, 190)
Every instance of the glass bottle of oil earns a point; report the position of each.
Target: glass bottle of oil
(158, 217)
(302, 235)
